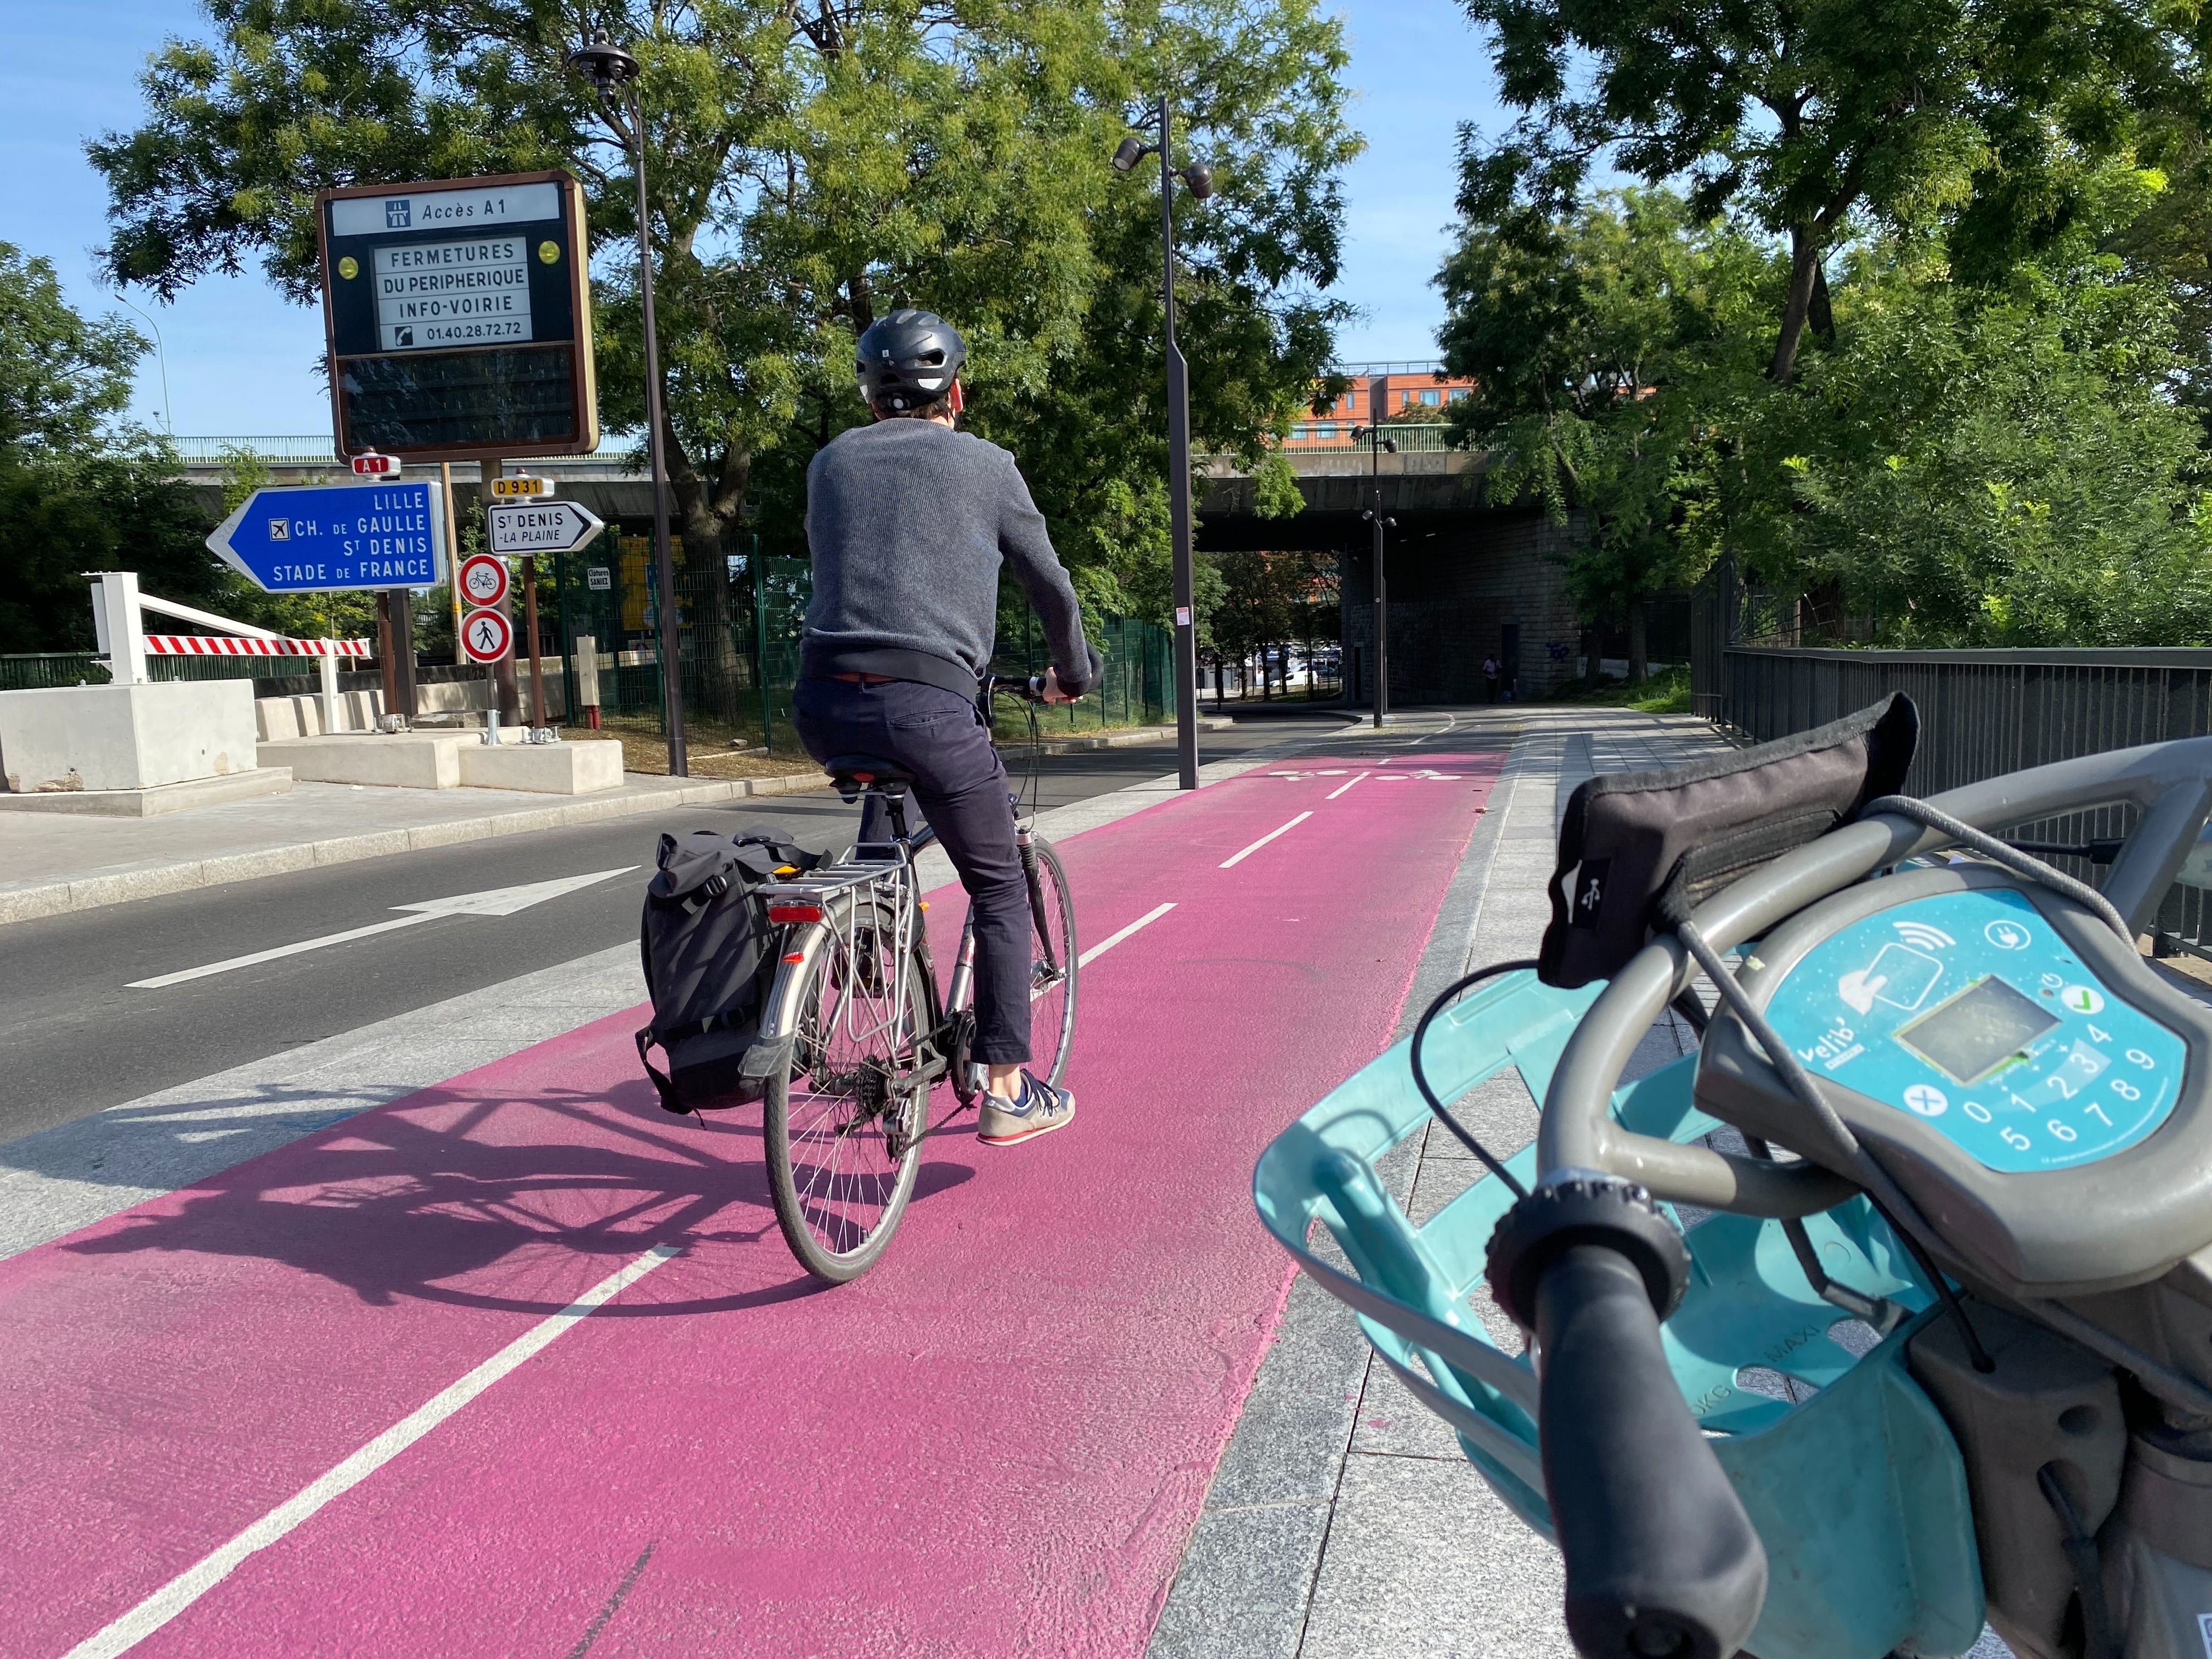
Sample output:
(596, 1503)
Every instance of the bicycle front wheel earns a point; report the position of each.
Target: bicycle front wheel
(843, 1126)
(1053, 964)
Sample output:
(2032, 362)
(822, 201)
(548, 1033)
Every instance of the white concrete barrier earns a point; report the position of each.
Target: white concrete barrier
(126, 737)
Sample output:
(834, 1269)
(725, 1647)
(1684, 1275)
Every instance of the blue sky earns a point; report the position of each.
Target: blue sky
(240, 362)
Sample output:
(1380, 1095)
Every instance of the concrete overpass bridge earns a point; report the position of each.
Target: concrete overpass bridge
(1465, 580)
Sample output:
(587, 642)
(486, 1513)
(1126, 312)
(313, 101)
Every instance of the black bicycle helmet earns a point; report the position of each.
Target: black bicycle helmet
(908, 360)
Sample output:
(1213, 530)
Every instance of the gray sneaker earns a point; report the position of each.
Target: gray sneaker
(1039, 1111)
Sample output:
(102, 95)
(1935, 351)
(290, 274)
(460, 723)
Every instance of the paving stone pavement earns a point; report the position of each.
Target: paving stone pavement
(1344, 1521)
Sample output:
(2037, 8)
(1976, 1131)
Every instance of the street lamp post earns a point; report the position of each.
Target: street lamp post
(1376, 444)
(1199, 178)
(613, 72)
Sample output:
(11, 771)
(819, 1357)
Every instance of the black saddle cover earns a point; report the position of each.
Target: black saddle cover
(1639, 849)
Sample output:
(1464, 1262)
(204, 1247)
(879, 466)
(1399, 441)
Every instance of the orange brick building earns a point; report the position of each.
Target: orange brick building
(1378, 391)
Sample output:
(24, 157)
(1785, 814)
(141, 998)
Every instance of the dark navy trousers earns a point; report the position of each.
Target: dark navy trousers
(940, 736)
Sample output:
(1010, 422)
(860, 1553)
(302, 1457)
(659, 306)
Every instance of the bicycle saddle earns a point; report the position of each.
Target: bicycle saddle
(851, 772)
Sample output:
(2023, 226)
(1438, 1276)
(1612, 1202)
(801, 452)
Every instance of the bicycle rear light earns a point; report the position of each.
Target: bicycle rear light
(782, 911)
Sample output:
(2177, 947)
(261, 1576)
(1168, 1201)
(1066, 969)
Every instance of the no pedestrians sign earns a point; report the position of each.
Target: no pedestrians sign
(487, 635)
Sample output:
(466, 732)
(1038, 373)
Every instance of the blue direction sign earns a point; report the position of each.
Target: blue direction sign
(318, 538)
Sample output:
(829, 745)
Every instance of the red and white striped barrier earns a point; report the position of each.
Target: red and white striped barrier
(227, 645)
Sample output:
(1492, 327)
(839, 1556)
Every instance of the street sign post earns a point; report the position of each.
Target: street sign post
(539, 526)
(483, 581)
(458, 317)
(323, 538)
(487, 635)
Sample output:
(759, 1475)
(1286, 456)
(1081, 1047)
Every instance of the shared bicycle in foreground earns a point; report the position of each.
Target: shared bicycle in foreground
(1887, 1310)
(856, 994)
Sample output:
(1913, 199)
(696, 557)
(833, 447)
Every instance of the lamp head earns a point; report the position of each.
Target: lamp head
(1129, 152)
(604, 64)
(1389, 446)
(1199, 178)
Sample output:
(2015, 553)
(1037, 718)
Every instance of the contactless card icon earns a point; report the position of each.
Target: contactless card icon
(1898, 975)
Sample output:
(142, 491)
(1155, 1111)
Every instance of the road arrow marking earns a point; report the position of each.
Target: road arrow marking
(495, 902)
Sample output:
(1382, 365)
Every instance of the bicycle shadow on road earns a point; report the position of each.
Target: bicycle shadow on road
(480, 1201)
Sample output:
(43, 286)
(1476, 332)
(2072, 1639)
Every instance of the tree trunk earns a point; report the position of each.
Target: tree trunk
(717, 626)
(1804, 267)
(1639, 645)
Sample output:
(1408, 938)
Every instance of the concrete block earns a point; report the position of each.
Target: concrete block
(412, 760)
(360, 709)
(126, 737)
(309, 711)
(551, 769)
(275, 718)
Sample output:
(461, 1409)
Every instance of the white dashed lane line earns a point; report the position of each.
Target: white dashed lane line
(180, 1592)
(1113, 940)
(1230, 863)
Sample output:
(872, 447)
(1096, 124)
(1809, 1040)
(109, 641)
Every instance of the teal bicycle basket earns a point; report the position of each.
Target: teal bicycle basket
(1857, 1490)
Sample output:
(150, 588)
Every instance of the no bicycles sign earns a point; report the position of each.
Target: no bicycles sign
(483, 580)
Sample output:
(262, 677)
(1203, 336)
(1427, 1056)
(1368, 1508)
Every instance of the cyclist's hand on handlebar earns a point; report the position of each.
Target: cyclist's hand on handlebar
(1049, 688)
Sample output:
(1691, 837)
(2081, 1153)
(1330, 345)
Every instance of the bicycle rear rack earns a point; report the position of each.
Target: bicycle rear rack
(833, 896)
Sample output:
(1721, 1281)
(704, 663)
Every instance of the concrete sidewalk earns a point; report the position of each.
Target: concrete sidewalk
(1344, 1520)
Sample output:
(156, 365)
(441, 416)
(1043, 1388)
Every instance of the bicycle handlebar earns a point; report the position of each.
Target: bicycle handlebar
(1028, 689)
(1661, 1561)
(1661, 1557)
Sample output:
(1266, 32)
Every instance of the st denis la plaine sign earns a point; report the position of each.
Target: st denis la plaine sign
(320, 538)
(457, 315)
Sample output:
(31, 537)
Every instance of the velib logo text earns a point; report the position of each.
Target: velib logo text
(396, 214)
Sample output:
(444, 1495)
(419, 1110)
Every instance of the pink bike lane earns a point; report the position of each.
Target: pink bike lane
(995, 1443)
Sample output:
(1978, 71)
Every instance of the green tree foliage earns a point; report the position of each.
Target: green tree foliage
(1988, 117)
(810, 167)
(1970, 464)
(1598, 343)
(80, 487)
(1991, 467)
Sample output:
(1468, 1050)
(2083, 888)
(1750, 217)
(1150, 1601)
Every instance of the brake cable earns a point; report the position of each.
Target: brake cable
(1421, 1076)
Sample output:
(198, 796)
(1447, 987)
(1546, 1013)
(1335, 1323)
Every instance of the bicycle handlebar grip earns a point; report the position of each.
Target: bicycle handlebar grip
(1661, 1561)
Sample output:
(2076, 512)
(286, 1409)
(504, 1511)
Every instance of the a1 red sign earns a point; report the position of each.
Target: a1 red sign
(487, 635)
(483, 580)
(374, 465)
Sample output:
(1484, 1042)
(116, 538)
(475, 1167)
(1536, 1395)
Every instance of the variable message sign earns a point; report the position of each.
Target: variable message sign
(459, 317)
(320, 538)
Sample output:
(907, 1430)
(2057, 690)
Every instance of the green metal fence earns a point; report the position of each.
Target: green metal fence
(741, 627)
(40, 671)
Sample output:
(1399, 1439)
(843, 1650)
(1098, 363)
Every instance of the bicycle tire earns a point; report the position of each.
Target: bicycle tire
(839, 1182)
(1052, 913)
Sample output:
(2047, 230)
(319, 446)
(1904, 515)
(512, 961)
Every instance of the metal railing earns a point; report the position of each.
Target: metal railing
(1982, 713)
(315, 450)
(1411, 437)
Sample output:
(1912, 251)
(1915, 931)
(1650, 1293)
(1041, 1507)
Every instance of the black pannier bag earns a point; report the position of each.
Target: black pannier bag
(707, 945)
(1639, 850)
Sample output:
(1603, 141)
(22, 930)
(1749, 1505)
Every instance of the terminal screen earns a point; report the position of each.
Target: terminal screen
(1973, 1033)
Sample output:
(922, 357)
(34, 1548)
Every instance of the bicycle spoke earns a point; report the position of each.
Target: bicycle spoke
(842, 1111)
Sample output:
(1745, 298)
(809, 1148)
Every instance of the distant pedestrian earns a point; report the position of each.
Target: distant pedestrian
(1490, 672)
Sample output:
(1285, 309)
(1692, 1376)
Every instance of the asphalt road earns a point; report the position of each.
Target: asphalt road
(76, 1039)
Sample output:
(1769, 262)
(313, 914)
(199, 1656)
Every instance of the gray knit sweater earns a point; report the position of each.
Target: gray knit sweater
(908, 521)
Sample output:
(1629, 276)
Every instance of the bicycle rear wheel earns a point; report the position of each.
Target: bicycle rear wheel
(1052, 964)
(843, 1134)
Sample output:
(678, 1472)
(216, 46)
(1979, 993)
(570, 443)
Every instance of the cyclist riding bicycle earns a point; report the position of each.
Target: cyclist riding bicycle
(908, 520)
